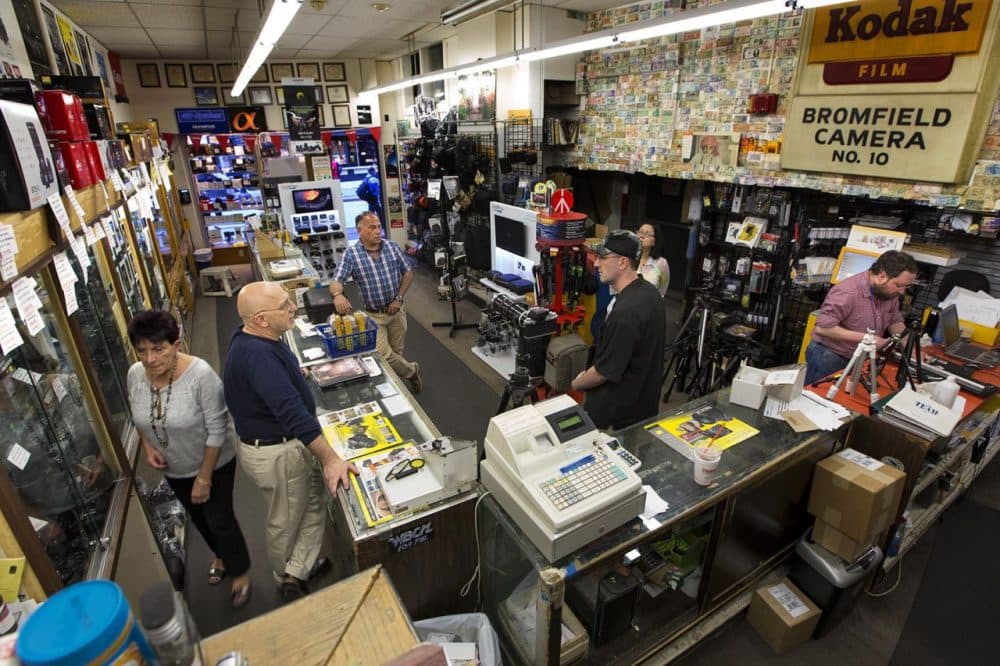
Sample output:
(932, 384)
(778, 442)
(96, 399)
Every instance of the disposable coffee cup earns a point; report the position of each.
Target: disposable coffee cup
(706, 465)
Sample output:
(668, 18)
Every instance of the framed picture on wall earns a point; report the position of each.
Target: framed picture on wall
(260, 76)
(341, 115)
(206, 96)
(281, 71)
(260, 95)
(227, 72)
(334, 71)
(309, 70)
(202, 74)
(233, 101)
(149, 74)
(279, 95)
(175, 75)
(338, 94)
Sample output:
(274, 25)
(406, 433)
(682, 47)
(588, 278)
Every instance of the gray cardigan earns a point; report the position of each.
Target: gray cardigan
(196, 417)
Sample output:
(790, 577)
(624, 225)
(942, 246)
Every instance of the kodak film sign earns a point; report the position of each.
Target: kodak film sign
(896, 89)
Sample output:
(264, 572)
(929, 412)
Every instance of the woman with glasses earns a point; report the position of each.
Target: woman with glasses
(652, 267)
(179, 410)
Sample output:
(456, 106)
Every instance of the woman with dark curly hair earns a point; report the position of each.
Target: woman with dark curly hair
(180, 412)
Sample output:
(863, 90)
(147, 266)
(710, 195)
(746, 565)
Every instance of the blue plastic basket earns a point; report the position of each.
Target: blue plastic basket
(352, 343)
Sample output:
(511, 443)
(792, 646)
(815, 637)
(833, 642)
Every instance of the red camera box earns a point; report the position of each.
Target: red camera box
(66, 120)
(77, 165)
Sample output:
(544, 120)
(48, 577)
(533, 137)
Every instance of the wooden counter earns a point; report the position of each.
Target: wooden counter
(359, 620)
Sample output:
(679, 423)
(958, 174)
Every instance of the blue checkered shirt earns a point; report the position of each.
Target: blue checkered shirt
(378, 280)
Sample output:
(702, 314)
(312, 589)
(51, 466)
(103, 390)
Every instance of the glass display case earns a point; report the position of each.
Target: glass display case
(150, 256)
(124, 265)
(56, 452)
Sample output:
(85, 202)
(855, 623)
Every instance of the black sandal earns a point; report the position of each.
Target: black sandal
(216, 575)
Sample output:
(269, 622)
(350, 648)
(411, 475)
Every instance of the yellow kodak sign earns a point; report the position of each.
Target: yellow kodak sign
(897, 28)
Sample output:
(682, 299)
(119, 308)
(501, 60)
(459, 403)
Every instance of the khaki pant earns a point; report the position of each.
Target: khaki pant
(390, 340)
(292, 483)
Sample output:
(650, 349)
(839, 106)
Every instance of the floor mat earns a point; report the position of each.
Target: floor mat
(953, 618)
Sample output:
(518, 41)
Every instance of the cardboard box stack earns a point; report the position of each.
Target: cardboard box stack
(783, 616)
(854, 498)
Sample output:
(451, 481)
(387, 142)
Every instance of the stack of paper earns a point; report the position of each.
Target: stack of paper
(975, 306)
(807, 410)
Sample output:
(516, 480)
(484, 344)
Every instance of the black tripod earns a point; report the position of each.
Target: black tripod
(910, 363)
(455, 323)
(519, 385)
(688, 349)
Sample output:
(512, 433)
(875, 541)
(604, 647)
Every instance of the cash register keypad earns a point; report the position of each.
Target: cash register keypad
(580, 480)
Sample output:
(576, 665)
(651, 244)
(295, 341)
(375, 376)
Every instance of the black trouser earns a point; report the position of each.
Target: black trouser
(215, 519)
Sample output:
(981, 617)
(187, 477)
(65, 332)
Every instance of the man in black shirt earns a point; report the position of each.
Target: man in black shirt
(623, 384)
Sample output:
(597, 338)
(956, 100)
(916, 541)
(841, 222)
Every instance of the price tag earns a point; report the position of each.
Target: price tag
(859, 458)
(75, 203)
(10, 338)
(28, 304)
(88, 235)
(8, 252)
(59, 388)
(18, 456)
(99, 231)
(59, 210)
(116, 181)
(104, 191)
(164, 176)
(109, 232)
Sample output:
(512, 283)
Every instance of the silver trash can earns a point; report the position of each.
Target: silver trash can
(833, 584)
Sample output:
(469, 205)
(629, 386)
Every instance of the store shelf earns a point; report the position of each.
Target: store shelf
(226, 213)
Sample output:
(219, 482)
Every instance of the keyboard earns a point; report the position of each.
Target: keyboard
(584, 478)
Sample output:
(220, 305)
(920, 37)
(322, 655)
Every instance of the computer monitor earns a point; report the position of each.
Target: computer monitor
(312, 199)
(851, 262)
(951, 331)
(512, 240)
(311, 196)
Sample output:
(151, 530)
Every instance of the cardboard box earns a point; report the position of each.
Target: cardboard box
(27, 172)
(855, 494)
(748, 387)
(840, 544)
(66, 120)
(77, 164)
(783, 616)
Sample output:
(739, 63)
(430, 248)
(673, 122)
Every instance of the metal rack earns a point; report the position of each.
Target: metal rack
(522, 158)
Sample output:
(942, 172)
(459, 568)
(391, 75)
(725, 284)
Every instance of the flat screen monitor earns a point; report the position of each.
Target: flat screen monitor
(851, 262)
(512, 240)
(313, 200)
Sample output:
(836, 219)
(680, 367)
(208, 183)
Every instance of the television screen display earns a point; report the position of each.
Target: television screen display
(510, 235)
(312, 200)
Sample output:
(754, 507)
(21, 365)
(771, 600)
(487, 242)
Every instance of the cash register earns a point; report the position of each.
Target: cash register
(557, 476)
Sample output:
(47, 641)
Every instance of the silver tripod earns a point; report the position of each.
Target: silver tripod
(856, 365)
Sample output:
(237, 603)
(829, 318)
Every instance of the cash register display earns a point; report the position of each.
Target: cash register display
(570, 423)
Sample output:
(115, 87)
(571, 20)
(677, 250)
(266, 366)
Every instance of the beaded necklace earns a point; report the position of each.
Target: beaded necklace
(158, 409)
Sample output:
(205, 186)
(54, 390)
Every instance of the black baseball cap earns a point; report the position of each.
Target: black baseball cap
(621, 242)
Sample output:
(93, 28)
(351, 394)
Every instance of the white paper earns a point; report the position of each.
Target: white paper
(37, 523)
(974, 306)
(10, 337)
(116, 181)
(395, 405)
(59, 389)
(433, 190)
(823, 417)
(306, 329)
(109, 232)
(371, 365)
(788, 600)
(654, 504)
(59, 210)
(18, 456)
(88, 235)
(71, 304)
(27, 303)
(386, 390)
(8, 252)
(313, 353)
(75, 203)
(98, 230)
(861, 459)
(164, 176)
(67, 280)
(781, 377)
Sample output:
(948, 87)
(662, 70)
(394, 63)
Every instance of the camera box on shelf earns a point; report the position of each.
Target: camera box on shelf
(66, 119)
(27, 175)
(77, 165)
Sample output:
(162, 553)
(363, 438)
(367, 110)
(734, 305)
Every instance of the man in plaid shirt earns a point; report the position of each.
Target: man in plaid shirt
(383, 277)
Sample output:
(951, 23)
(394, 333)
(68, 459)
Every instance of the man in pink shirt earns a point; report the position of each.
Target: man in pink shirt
(868, 300)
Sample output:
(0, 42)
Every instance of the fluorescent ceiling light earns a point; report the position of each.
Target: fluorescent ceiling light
(278, 17)
(442, 74)
(467, 11)
(705, 17)
(813, 4)
(570, 46)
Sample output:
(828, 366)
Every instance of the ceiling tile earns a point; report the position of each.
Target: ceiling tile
(293, 41)
(587, 5)
(424, 11)
(114, 38)
(283, 54)
(165, 15)
(177, 37)
(246, 4)
(89, 14)
(218, 18)
(307, 23)
(138, 52)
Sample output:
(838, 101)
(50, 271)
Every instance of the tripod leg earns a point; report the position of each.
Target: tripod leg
(504, 401)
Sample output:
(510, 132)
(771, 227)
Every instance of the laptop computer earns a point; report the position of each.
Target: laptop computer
(953, 345)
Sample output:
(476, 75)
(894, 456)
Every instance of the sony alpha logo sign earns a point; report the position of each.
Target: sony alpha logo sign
(897, 40)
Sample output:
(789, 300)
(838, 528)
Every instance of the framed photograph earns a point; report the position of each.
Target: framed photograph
(206, 96)
(281, 71)
(309, 70)
(279, 95)
(202, 74)
(175, 75)
(319, 94)
(322, 116)
(341, 115)
(260, 95)
(227, 72)
(334, 71)
(260, 76)
(149, 74)
(233, 101)
(338, 94)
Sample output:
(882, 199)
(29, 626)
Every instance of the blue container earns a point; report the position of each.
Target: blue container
(352, 343)
(87, 623)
